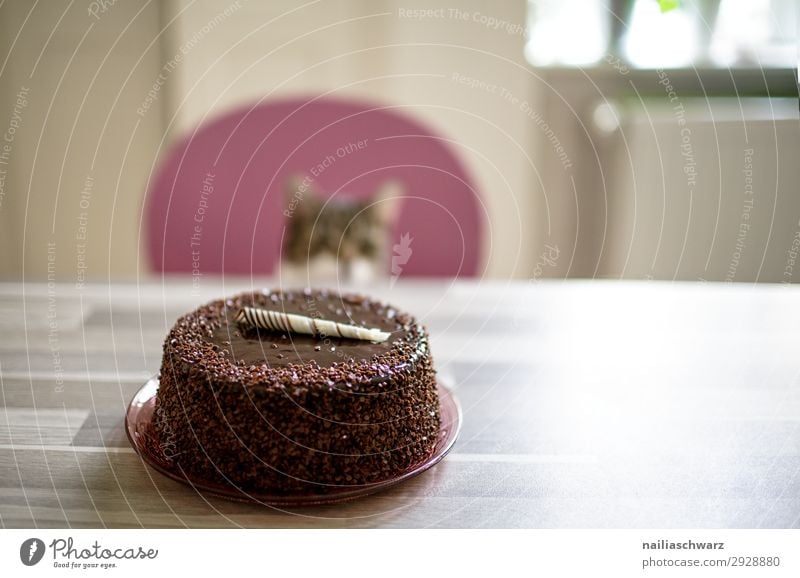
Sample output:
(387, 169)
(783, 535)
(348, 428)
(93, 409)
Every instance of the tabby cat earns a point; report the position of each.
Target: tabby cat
(338, 237)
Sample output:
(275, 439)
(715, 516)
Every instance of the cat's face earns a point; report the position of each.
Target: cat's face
(340, 228)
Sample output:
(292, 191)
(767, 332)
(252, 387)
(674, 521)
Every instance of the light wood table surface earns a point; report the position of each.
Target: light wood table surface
(586, 404)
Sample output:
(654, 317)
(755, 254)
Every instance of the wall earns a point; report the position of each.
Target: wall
(105, 95)
(80, 159)
(90, 124)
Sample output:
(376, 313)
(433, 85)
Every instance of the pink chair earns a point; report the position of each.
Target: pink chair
(216, 205)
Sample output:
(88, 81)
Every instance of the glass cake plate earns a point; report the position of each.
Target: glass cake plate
(144, 439)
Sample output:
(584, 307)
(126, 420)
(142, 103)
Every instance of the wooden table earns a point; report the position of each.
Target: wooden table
(586, 404)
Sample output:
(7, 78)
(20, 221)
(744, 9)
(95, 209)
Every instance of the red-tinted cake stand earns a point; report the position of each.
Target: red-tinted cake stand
(144, 439)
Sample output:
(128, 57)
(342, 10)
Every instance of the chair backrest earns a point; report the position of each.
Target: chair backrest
(217, 202)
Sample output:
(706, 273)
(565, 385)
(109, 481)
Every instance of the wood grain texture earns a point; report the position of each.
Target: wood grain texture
(586, 404)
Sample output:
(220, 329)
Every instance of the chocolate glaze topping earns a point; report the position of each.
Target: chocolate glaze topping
(255, 346)
(210, 338)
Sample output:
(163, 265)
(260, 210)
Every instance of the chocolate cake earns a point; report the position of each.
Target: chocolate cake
(276, 411)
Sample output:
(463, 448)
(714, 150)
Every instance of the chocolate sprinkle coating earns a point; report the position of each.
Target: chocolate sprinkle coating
(285, 413)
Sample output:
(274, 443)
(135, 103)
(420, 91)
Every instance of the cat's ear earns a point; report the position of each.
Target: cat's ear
(297, 189)
(386, 203)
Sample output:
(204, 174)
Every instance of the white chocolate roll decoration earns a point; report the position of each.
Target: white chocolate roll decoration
(294, 323)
